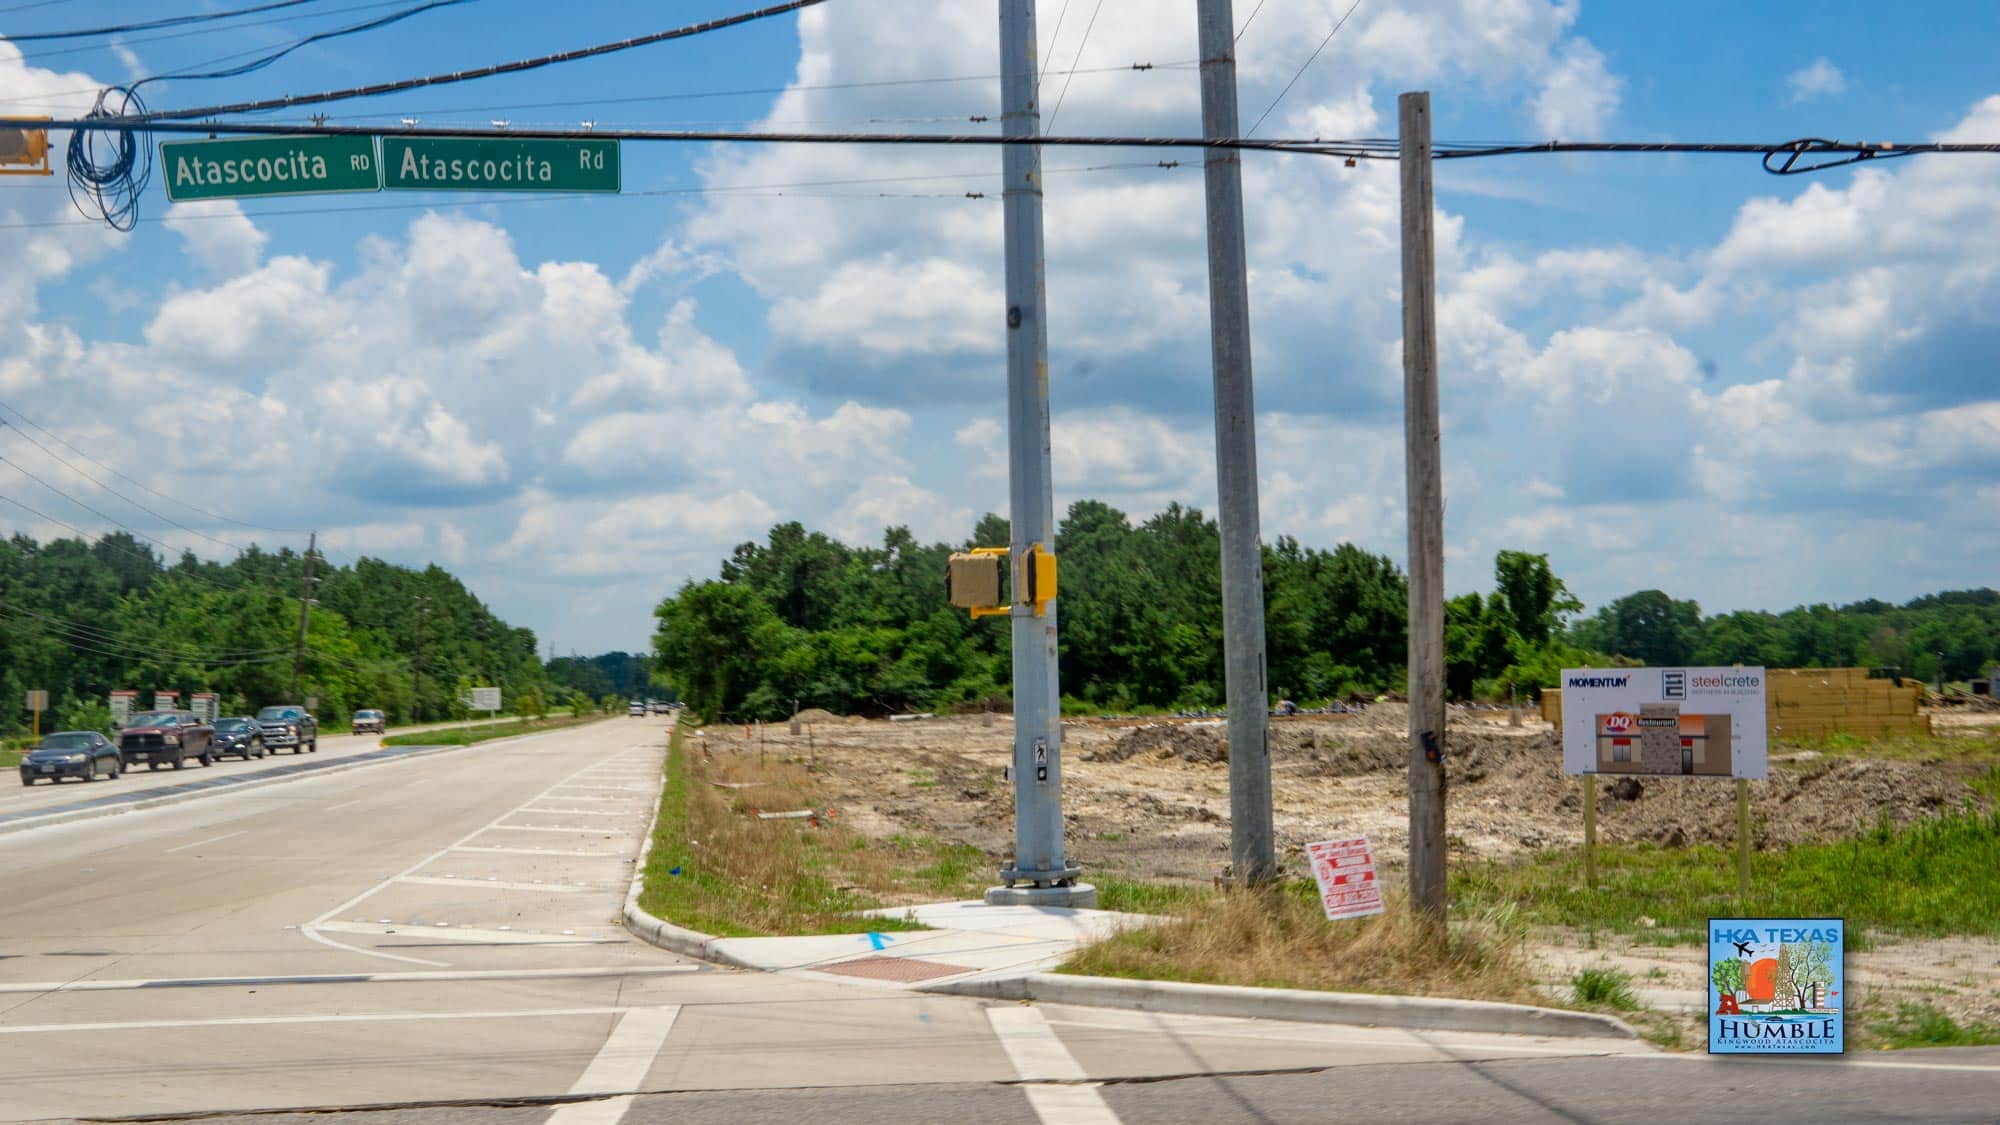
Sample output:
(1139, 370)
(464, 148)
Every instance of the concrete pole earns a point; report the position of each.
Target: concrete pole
(1040, 874)
(1252, 851)
(1425, 483)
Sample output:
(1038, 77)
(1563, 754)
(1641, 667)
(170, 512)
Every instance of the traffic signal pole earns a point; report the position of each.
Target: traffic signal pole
(1040, 874)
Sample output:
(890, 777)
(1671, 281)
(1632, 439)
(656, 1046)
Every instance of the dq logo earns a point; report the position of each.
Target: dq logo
(1620, 722)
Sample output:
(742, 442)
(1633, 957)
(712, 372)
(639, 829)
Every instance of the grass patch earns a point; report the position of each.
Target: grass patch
(715, 867)
(1597, 987)
(1978, 744)
(10, 758)
(1115, 892)
(1932, 878)
(1280, 938)
(466, 736)
(1921, 1025)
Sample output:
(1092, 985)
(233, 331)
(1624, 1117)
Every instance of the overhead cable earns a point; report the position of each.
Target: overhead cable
(149, 511)
(1303, 67)
(1079, 58)
(66, 444)
(155, 25)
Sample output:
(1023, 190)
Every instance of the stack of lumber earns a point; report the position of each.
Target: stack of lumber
(1815, 702)
(1803, 703)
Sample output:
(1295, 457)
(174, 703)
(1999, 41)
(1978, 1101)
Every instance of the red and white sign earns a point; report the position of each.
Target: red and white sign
(1345, 872)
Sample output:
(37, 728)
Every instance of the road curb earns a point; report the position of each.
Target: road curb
(78, 815)
(1426, 1013)
(658, 931)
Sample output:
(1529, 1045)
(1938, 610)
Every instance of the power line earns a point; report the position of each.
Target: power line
(1079, 58)
(105, 541)
(516, 67)
(1248, 22)
(55, 52)
(60, 440)
(156, 515)
(268, 58)
(1054, 36)
(106, 643)
(1303, 67)
(86, 507)
(155, 25)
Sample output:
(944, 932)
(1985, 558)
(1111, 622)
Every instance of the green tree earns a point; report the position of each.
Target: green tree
(1536, 599)
(1727, 976)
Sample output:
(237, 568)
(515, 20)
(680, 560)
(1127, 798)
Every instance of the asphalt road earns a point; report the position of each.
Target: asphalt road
(17, 799)
(437, 937)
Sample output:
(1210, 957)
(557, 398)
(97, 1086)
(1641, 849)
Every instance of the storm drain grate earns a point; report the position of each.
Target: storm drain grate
(905, 970)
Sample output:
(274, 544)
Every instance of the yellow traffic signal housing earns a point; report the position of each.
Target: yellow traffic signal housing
(972, 581)
(24, 152)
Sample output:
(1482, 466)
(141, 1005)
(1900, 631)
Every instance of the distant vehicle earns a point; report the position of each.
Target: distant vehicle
(637, 708)
(71, 753)
(661, 707)
(289, 725)
(370, 721)
(240, 736)
(166, 738)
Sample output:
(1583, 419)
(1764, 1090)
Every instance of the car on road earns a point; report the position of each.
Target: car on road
(166, 738)
(289, 726)
(661, 707)
(80, 754)
(241, 736)
(370, 722)
(636, 708)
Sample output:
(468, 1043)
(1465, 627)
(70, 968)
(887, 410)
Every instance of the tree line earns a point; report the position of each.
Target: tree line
(81, 619)
(802, 620)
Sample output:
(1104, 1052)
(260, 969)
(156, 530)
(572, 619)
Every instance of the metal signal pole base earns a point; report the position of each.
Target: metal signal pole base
(1074, 896)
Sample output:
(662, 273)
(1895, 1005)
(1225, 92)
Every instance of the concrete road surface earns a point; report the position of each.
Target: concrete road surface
(435, 939)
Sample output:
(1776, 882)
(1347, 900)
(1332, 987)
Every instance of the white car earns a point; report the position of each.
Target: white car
(637, 708)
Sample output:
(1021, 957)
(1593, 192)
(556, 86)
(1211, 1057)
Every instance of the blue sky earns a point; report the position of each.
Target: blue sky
(1664, 371)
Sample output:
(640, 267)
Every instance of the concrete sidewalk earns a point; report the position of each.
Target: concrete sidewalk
(966, 941)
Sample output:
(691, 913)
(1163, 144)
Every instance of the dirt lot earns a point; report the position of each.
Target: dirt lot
(1150, 800)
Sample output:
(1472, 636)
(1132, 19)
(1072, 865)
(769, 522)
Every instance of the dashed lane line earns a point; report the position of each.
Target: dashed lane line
(266, 1021)
(199, 843)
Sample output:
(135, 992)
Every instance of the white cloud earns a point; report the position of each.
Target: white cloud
(1578, 95)
(1820, 80)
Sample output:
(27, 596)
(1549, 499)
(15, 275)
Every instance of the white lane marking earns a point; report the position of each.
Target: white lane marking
(462, 933)
(621, 1064)
(341, 978)
(311, 931)
(258, 1021)
(199, 843)
(491, 884)
(549, 828)
(578, 812)
(1039, 1056)
(1342, 1035)
(605, 788)
(537, 851)
(343, 804)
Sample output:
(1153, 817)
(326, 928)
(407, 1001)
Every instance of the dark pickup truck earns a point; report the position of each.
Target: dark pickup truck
(166, 738)
(289, 726)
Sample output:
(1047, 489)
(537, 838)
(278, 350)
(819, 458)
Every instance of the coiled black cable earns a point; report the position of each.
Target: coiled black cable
(110, 168)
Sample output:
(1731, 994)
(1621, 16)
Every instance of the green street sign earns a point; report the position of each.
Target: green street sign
(498, 164)
(242, 169)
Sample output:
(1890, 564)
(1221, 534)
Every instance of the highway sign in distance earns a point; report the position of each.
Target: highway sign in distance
(261, 166)
(499, 164)
(38, 700)
(486, 699)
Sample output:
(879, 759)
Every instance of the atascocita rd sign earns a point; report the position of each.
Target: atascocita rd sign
(261, 166)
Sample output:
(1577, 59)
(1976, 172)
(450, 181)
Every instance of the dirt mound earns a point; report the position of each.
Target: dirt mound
(1200, 745)
(816, 715)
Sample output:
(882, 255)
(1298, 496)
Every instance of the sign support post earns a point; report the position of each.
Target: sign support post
(1743, 841)
(1590, 830)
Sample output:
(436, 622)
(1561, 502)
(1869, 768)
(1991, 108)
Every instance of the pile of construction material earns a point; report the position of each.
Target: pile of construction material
(1804, 703)
(1808, 703)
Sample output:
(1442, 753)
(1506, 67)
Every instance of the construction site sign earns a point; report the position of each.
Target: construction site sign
(1697, 722)
(122, 705)
(1345, 872)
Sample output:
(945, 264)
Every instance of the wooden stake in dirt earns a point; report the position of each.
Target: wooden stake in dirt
(1589, 830)
(1424, 477)
(1743, 840)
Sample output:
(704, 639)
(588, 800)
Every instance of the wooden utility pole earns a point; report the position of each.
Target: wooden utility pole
(1425, 481)
(305, 616)
(417, 665)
